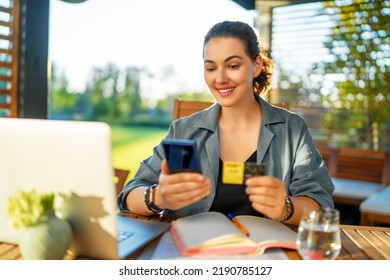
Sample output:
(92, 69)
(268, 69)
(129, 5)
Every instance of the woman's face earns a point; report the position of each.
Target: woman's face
(229, 71)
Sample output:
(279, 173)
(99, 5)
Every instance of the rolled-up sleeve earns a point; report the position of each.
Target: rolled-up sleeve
(309, 174)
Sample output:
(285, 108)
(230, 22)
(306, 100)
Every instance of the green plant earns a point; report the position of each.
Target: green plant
(27, 208)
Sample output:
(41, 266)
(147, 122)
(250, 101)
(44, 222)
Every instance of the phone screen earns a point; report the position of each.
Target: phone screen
(181, 155)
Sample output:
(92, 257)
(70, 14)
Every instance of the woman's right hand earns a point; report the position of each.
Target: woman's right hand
(175, 191)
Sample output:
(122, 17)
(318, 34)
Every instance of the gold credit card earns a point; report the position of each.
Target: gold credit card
(237, 172)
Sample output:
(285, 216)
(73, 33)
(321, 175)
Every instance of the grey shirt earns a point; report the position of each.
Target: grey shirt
(285, 146)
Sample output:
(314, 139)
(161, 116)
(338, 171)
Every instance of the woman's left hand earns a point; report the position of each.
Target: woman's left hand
(267, 195)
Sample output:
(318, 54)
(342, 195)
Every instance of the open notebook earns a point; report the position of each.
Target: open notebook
(73, 158)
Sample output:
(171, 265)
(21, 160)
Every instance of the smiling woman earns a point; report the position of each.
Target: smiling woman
(136, 33)
(229, 132)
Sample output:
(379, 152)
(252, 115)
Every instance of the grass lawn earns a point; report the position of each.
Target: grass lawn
(131, 144)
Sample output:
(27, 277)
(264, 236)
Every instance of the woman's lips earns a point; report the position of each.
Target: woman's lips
(225, 91)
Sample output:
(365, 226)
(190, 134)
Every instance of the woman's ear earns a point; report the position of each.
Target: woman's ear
(258, 66)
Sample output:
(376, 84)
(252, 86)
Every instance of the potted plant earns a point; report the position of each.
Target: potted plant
(44, 236)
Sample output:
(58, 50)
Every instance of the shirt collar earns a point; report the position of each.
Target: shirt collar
(209, 119)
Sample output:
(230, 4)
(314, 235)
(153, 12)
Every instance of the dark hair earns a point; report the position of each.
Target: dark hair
(245, 33)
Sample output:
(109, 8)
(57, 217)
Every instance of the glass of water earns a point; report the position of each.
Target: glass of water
(319, 235)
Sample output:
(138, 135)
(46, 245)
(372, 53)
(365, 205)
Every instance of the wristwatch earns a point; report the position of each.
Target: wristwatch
(149, 200)
(289, 210)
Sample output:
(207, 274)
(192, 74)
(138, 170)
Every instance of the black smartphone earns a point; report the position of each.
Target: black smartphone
(181, 155)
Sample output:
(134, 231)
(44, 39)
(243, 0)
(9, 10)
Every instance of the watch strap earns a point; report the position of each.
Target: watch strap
(149, 200)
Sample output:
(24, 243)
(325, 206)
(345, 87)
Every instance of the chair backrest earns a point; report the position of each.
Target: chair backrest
(357, 164)
(182, 108)
(120, 178)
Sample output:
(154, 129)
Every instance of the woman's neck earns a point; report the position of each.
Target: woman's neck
(244, 113)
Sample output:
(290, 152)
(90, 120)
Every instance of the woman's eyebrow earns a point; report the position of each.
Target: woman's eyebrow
(225, 60)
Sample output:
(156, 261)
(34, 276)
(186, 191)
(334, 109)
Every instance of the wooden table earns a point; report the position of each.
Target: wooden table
(358, 243)
(361, 243)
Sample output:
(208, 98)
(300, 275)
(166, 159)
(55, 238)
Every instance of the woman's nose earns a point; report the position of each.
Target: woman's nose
(221, 77)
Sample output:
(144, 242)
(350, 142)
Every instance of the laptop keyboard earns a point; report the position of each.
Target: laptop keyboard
(123, 235)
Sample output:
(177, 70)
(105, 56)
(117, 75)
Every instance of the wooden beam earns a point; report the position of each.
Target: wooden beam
(33, 59)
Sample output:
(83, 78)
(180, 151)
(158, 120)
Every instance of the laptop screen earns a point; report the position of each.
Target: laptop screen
(68, 157)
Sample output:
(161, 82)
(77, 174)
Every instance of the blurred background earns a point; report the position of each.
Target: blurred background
(124, 62)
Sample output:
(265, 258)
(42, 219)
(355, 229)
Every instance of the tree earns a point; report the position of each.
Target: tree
(62, 102)
(359, 42)
(132, 95)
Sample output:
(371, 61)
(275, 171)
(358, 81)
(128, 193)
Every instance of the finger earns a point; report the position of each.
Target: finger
(181, 200)
(268, 201)
(266, 194)
(269, 205)
(191, 196)
(262, 181)
(164, 167)
(184, 178)
(260, 190)
(186, 188)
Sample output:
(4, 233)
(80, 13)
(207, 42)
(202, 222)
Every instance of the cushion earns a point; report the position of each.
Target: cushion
(355, 188)
(379, 202)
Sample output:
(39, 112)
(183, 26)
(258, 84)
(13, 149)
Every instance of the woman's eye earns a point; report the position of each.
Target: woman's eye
(234, 66)
(210, 69)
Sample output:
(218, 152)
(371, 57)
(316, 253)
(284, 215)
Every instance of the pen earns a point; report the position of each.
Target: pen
(238, 224)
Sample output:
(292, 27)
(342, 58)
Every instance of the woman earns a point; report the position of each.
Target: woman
(240, 127)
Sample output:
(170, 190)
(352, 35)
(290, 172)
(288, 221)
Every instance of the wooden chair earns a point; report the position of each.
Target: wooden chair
(120, 176)
(182, 108)
(357, 174)
(375, 210)
(364, 165)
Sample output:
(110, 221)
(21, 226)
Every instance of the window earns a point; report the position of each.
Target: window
(9, 11)
(332, 66)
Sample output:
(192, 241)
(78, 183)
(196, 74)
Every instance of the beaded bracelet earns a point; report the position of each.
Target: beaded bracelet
(289, 210)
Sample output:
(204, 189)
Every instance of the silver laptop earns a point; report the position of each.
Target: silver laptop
(73, 158)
